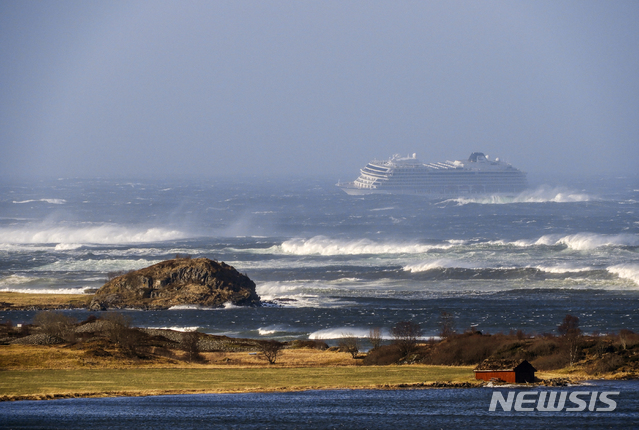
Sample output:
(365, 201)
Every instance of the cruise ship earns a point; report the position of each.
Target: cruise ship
(407, 175)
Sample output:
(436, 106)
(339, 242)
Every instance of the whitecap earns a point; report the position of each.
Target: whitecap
(626, 271)
(542, 194)
(50, 201)
(176, 328)
(436, 264)
(80, 290)
(98, 234)
(323, 245)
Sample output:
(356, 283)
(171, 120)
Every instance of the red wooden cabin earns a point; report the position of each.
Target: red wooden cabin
(514, 371)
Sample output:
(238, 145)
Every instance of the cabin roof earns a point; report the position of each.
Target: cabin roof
(504, 365)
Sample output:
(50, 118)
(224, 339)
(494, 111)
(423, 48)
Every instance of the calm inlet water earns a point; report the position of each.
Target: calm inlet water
(409, 409)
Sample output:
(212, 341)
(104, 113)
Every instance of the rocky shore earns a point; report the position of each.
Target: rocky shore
(181, 281)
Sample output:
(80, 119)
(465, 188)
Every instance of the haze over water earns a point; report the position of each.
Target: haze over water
(327, 264)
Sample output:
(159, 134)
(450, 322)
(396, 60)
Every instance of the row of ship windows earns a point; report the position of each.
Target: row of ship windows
(482, 180)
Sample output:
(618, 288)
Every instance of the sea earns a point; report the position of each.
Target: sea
(328, 265)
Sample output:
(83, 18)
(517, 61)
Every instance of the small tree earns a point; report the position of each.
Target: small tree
(189, 344)
(446, 325)
(405, 335)
(570, 331)
(119, 331)
(624, 336)
(349, 343)
(375, 337)
(56, 324)
(270, 349)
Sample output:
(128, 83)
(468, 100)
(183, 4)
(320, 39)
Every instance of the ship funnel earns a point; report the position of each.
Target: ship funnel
(414, 155)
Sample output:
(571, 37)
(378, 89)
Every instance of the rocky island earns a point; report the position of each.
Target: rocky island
(181, 281)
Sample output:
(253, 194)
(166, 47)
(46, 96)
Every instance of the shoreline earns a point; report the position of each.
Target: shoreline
(169, 392)
(285, 374)
(96, 362)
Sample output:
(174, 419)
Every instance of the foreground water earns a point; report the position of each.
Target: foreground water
(344, 409)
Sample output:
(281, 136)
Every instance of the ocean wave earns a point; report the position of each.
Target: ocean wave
(626, 271)
(342, 332)
(190, 307)
(68, 246)
(98, 234)
(50, 201)
(273, 329)
(452, 270)
(300, 294)
(436, 264)
(80, 290)
(543, 194)
(565, 268)
(322, 245)
(584, 241)
(590, 241)
(358, 332)
(17, 280)
(117, 265)
(176, 328)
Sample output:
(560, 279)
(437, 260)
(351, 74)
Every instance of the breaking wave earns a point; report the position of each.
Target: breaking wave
(81, 290)
(176, 328)
(50, 201)
(626, 271)
(322, 245)
(581, 241)
(542, 194)
(114, 265)
(99, 234)
(359, 332)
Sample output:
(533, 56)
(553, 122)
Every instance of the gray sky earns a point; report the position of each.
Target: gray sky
(210, 88)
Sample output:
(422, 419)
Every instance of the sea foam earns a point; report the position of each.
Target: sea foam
(96, 234)
(543, 194)
(322, 245)
(626, 271)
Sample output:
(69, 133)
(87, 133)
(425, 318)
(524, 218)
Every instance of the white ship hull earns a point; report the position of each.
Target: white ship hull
(476, 177)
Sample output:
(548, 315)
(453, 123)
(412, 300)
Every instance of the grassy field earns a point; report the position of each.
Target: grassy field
(41, 372)
(43, 301)
(50, 383)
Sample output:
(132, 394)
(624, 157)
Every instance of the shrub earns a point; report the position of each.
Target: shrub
(310, 344)
(189, 344)
(375, 337)
(349, 343)
(270, 349)
(119, 331)
(608, 363)
(446, 325)
(405, 335)
(543, 346)
(468, 348)
(384, 355)
(551, 362)
(56, 324)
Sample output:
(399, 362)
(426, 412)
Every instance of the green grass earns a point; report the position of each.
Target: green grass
(91, 382)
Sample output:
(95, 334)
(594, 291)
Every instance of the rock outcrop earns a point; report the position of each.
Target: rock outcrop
(182, 281)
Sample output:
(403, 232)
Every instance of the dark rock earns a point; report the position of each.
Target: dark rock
(182, 281)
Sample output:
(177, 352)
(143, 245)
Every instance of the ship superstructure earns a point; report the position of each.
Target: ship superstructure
(407, 175)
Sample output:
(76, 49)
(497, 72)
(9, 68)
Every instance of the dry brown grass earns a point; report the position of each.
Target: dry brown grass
(44, 301)
(43, 372)
(20, 357)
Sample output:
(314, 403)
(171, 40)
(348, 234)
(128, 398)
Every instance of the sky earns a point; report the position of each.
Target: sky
(169, 89)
